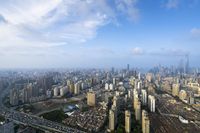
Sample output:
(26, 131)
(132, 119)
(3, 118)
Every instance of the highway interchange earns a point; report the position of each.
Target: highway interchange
(31, 120)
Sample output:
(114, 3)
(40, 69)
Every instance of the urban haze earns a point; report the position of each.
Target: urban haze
(99, 66)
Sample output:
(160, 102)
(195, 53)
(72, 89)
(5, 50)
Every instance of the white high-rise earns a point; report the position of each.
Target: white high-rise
(106, 86)
(151, 103)
(111, 87)
(144, 97)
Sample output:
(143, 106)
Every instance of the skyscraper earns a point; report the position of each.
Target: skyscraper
(27, 92)
(128, 67)
(151, 103)
(91, 98)
(138, 111)
(77, 87)
(182, 95)
(186, 68)
(175, 89)
(144, 97)
(127, 121)
(14, 97)
(191, 99)
(112, 119)
(145, 122)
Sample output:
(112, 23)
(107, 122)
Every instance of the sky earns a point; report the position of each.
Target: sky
(98, 33)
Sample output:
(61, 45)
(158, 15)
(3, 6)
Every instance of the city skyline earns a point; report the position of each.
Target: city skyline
(100, 33)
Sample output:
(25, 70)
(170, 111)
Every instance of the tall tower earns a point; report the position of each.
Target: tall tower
(187, 63)
(112, 119)
(145, 122)
(138, 111)
(14, 97)
(128, 67)
(144, 97)
(175, 89)
(151, 103)
(91, 98)
(127, 121)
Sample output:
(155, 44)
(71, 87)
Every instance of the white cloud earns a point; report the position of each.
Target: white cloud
(47, 23)
(129, 8)
(32, 28)
(51, 22)
(195, 32)
(172, 4)
(137, 51)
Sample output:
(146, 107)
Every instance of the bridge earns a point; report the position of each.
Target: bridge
(39, 123)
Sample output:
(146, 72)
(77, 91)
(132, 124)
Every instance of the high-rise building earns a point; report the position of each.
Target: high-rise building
(127, 121)
(128, 67)
(130, 94)
(116, 103)
(77, 87)
(91, 98)
(149, 77)
(138, 111)
(106, 86)
(139, 85)
(27, 93)
(199, 91)
(186, 68)
(151, 103)
(144, 97)
(111, 87)
(112, 119)
(139, 76)
(47, 83)
(114, 81)
(63, 91)
(56, 91)
(135, 100)
(112, 69)
(182, 95)
(191, 99)
(71, 88)
(14, 97)
(145, 122)
(175, 89)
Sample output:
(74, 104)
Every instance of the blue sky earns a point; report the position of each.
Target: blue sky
(98, 33)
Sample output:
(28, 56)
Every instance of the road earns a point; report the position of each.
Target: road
(37, 122)
(31, 120)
